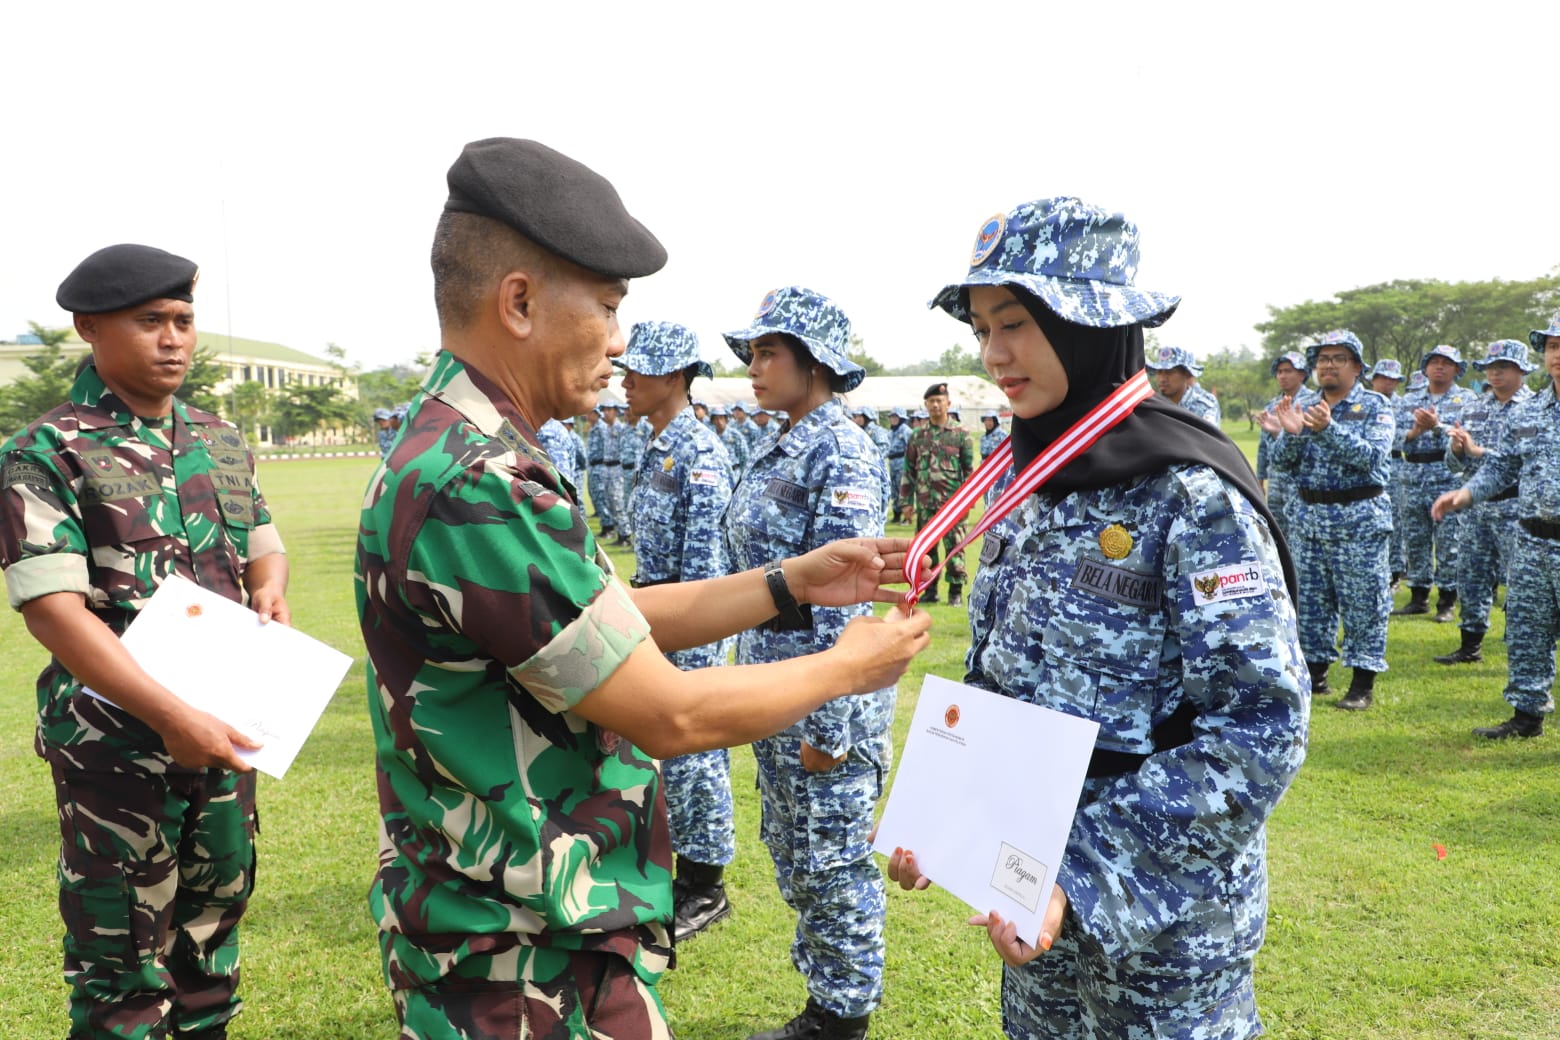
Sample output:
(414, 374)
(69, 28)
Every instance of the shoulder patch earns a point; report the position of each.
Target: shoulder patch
(707, 477)
(25, 472)
(1237, 581)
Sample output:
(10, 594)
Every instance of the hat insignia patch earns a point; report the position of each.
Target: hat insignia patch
(768, 303)
(987, 239)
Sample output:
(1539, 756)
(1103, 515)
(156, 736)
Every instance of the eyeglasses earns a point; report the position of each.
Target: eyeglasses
(1334, 359)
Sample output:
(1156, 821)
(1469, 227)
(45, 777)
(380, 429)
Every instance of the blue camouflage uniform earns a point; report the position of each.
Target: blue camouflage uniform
(1488, 530)
(1156, 607)
(677, 505)
(612, 473)
(601, 457)
(1530, 450)
(898, 441)
(1429, 547)
(1161, 862)
(1342, 522)
(879, 437)
(821, 481)
(1280, 483)
(735, 444)
(1202, 404)
(562, 448)
(990, 442)
(384, 435)
(632, 438)
(1396, 489)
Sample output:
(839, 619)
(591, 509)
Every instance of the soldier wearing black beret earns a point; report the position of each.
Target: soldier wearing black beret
(939, 457)
(130, 485)
(518, 698)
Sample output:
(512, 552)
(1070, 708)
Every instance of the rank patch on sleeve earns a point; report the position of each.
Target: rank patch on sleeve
(1237, 581)
(853, 498)
(708, 477)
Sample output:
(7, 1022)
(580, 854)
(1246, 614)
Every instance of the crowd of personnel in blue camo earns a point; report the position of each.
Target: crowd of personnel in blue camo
(1440, 488)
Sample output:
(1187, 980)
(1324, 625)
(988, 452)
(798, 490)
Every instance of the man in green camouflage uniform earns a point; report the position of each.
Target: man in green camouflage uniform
(939, 457)
(101, 500)
(518, 701)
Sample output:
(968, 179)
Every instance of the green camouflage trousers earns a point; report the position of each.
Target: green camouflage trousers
(155, 871)
(562, 995)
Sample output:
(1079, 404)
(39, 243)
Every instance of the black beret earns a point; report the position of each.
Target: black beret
(555, 202)
(935, 390)
(121, 276)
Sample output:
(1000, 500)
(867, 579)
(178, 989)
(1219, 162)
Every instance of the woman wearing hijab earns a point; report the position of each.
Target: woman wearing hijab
(818, 478)
(1191, 664)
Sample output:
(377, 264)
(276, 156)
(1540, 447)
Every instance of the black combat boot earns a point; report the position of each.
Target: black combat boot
(1361, 688)
(1520, 724)
(955, 595)
(1446, 605)
(1318, 671)
(837, 1028)
(930, 595)
(806, 1026)
(1468, 653)
(698, 897)
(1418, 602)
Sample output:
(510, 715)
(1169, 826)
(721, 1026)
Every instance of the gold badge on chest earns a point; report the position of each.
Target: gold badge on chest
(1115, 542)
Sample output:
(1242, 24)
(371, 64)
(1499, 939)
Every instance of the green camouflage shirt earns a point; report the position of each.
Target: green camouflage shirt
(937, 461)
(98, 501)
(488, 612)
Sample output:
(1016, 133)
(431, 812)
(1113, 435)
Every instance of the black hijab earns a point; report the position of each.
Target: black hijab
(1156, 435)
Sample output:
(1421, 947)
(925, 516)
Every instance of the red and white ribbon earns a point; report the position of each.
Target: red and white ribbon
(1080, 436)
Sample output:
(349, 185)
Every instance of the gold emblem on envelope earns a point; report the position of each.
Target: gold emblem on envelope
(1115, 542)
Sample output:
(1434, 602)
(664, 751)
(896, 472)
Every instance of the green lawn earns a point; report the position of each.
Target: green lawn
(1371, 933)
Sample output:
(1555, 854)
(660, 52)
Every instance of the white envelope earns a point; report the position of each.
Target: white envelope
(985, 795)
(269, 682)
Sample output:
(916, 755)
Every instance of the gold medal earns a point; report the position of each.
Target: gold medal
(667, 464)
(1115, 542)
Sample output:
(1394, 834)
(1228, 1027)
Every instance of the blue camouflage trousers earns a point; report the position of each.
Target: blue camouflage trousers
(1343, 574)
(1398, 492)
(613, 506)
(1532, 624)
(1074, 991)
(1484, 544)
(1429, 546)
(598, 493)
(816, 827)
(896, 470)
(155, 872)
(698, 806)
(1282, 497)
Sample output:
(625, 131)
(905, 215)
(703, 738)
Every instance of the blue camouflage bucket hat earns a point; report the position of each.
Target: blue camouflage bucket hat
(1335, 338)
(812, 318)
(1163, 359)
(1512, 350)
(1450, 353)
(720, 410)
(991, 413)
(1418, 381)
(1296, 361)
(899, 412)
(659, 348)
(1389, 367)
(1078, 259)
(1536, 337)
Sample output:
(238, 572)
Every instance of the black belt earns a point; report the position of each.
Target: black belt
(640, 584)
(1171, 733)
(899, 456)
(604, 462)
(1424, 456)
(1396, 454)
(1337, 498)
(1541, 528)
(1509, 493)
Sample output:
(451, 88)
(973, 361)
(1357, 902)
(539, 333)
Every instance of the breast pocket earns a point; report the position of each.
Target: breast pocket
(1109, 620)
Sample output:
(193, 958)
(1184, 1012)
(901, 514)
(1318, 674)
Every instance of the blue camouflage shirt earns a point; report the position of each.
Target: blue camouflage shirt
(678, 503)
(1201, 403)
(1352, 452)
(1529, 449)
(1128, 605)
(562, 448)
(822, 481)
(1486, 421)
(1449, 406)
(898, 440)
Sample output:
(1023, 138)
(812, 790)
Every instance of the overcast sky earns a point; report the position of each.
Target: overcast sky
(1271, 153)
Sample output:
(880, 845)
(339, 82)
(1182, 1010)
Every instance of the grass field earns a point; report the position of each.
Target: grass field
(1371, 932)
